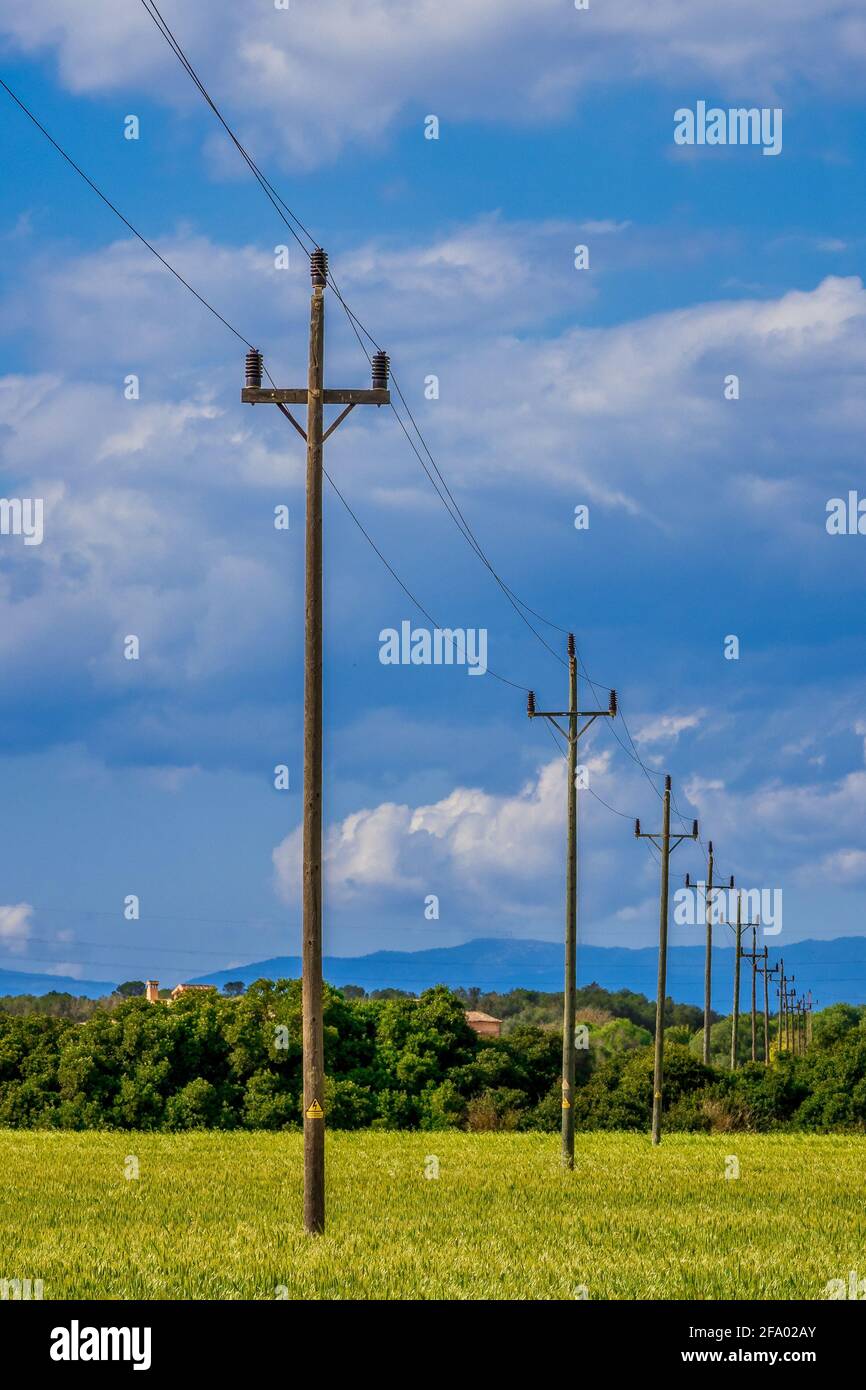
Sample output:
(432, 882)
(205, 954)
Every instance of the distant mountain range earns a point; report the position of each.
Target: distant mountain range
(833, 970)
(19, 982)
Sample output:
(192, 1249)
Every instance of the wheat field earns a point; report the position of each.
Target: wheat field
(218, 1216)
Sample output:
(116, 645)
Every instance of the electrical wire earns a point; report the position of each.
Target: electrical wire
(162, 259)
(445, 494)
(441, 487)
(490, 672)
(125, 220)
(267, 188)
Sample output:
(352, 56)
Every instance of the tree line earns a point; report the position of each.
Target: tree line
(400, 1062)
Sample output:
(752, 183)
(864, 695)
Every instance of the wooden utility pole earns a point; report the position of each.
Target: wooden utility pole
(786, 998)
(766, 970)
(735, 1016)
(709, 888)
(740, 954)
(315, 397)
(789, 1016)
(708, 962)
(572, 736)
(753, 956)
(665, 844)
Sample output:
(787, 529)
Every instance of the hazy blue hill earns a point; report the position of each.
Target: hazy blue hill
(833, 970)
(19, 982)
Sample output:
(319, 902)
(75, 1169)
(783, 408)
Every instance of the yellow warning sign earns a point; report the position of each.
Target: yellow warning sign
(566, 1103)
(315, 1111)
(658, 1095)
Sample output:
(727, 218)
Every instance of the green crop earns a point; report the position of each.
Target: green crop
(215, 1215)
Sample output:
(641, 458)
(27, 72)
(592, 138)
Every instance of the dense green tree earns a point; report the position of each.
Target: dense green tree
(402, 1062)
(720, 1040)
(618, 1035)
(832, 1024)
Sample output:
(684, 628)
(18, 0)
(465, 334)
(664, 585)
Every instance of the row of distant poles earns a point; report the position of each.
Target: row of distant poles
(794, 1023)
(665, 842)
(793, 1028)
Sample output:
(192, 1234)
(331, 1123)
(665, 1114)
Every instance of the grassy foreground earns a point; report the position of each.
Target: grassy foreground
(215, 1215)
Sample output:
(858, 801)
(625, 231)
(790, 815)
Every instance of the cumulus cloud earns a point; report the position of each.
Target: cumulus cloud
(777, 821)
(158, 512)
(16, 925)
(634, 414)
(470, 835)
(667, 727)
(67, 968)
(845, 866)
(505, 851)
(306, 81)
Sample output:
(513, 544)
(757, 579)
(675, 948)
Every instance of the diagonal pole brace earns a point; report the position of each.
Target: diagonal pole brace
(289, 416)
(339, 420)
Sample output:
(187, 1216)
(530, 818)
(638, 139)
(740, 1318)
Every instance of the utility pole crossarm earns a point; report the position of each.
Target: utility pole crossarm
(657, 837)
(297, 395)
(590, 715)
(315, 394)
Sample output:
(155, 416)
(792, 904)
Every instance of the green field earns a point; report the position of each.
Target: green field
(215, 1215)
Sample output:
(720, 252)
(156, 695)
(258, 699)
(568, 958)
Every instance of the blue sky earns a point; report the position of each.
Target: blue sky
(558, 387)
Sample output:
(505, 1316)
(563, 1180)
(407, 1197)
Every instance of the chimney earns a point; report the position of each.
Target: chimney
(151, 991)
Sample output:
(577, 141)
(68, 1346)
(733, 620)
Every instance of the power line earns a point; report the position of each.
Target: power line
(446, 497)
(444, 492)
(125, 220)
(269, 191)
(588, 788)
(12, 948)
(278, 202)
(162, 259)
(463, 528)
(490, 672)
(624, 815)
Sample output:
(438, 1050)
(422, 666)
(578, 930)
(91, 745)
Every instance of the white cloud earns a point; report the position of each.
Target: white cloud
(68, 968)
(15, 926)
(158, 511)
(780, 821)
(638, 912)
(304, 82)
(845, 866)
(470, 835)
(605, 227)
(666, 728)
